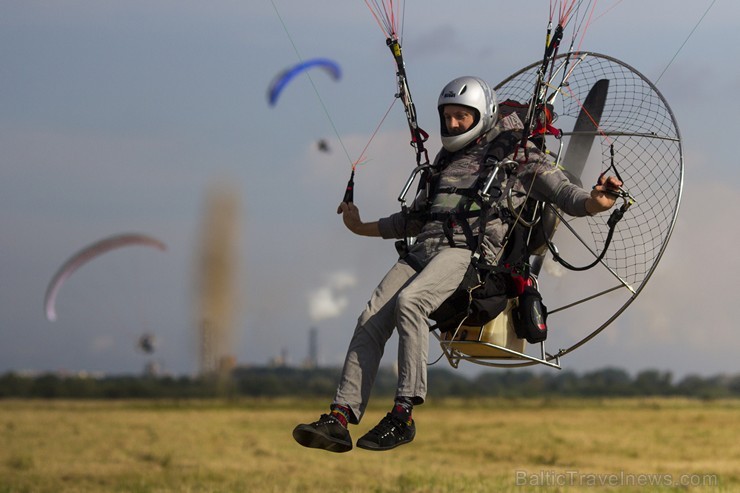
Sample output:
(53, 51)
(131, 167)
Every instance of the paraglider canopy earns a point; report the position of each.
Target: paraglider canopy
(85, 255)
(284, 77)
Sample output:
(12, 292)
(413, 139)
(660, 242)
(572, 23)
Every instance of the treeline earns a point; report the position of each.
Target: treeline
(321, 382)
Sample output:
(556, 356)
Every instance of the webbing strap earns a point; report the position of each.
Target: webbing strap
(444, 216)
(501, 146)
(471, 192)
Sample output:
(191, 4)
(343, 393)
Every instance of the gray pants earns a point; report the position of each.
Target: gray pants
(403, 300)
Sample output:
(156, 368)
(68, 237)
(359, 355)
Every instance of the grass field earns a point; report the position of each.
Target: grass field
(491, 445)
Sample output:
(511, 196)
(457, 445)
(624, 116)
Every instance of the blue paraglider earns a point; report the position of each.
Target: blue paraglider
(282, 79)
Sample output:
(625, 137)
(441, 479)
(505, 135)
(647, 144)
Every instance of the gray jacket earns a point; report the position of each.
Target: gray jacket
(539, 174)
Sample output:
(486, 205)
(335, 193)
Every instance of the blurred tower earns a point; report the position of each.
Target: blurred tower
(313, 346)
(312, 361)
(216, 282)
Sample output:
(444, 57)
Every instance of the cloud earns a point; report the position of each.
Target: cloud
(435, 41)
(692, 291)
(553, 268)
(330, 300)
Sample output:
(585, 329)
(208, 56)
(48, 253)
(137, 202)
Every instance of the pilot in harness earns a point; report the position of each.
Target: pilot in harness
(480, 198)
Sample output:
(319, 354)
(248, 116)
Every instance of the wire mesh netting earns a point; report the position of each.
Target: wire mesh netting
(638, 123)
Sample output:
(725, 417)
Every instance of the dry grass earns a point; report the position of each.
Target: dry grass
(482, 446)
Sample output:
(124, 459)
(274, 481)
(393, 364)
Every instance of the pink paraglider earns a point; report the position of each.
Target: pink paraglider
(85, 255)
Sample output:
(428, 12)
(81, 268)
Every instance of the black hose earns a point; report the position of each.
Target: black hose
(616, 215)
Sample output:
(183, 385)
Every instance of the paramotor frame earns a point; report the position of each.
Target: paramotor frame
(638, 132)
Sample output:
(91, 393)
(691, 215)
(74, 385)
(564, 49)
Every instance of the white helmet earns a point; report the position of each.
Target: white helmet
(476, 94)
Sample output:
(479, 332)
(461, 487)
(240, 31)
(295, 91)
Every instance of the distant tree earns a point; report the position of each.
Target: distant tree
(566, 383)
(734, 386)
(14, 385)
(321, 382)
(608, 381)
(447, 383)
(47, 386)
(653, 382)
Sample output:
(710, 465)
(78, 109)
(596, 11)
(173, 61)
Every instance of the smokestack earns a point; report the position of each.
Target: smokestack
(313, 348)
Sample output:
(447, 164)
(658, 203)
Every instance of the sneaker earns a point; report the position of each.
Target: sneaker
(389, 433)
(327, 433)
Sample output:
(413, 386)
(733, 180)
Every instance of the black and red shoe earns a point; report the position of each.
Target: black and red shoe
(391, 432)
(327, 433)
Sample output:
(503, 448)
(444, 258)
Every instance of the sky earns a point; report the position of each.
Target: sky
(123, 116)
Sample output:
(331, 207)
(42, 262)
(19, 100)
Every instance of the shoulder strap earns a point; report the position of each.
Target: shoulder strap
(503, 144)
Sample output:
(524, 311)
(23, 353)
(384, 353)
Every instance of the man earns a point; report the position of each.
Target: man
(405, 298)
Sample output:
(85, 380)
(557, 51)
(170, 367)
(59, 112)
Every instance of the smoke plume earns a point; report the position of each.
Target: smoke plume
(330, 300)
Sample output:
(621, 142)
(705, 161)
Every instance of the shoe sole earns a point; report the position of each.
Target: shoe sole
(309, 438)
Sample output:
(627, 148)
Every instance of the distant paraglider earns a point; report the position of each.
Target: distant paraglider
(85, 255)
(284, 77)
(323, 146)
(147, 343)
